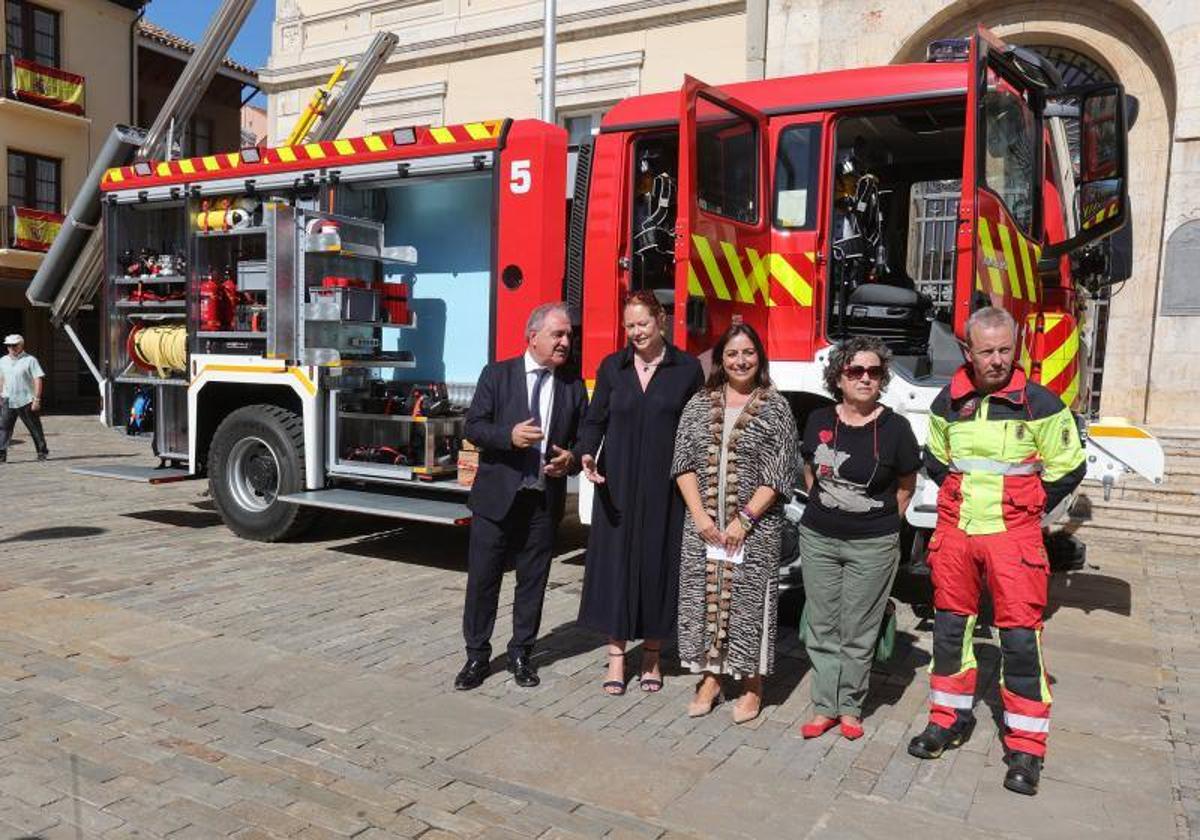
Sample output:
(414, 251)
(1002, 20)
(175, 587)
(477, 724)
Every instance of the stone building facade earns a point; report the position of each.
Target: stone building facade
(464, 60)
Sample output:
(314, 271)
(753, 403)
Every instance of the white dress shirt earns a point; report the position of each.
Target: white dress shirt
(545, 402)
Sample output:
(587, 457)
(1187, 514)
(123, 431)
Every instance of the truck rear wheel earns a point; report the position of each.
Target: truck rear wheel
(257, 456)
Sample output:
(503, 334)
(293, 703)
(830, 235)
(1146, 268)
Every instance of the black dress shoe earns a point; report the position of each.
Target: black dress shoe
(1024, 770)
(937, 739)
(523, 673)
(472, 674)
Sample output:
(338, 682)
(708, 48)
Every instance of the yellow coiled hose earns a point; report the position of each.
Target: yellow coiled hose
(163, 349)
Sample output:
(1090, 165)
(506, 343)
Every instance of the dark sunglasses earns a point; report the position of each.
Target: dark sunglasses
(856, 371)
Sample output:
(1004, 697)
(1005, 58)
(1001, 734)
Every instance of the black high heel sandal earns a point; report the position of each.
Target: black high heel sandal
(614, 688)
(651, 684)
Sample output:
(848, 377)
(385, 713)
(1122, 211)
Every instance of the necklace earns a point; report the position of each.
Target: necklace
(648, 366)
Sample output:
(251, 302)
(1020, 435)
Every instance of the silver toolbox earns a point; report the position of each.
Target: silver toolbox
(252, 275)
(341, 303)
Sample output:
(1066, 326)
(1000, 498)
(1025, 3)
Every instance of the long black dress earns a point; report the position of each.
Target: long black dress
(631, 581)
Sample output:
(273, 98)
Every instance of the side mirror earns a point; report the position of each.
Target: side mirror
(1102, 186)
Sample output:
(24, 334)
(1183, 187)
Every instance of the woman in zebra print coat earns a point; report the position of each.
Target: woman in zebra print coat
(735, 461)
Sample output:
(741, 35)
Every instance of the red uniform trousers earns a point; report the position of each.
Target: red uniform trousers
(1018, 573)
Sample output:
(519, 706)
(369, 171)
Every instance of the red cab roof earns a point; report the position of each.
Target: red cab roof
(812, 92)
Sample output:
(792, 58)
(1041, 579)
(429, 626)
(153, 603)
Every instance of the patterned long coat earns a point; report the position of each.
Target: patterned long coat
(728, 612)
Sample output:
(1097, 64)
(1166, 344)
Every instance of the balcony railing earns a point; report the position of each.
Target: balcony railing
(37, 84)
(28, 230)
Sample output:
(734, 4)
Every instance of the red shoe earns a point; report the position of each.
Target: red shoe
(851, 731)
(815, 730)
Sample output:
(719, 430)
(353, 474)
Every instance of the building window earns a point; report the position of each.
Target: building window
(32, 32)
(726, 162)
(34, 181)
(579, 124)
(796, 177)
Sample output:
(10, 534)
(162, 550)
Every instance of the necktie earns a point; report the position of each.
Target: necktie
(533, 468)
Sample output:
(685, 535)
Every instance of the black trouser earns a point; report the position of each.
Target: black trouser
(8, 422)
(526, 537)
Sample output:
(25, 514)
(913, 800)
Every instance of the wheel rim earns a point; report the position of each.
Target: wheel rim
(253, 474)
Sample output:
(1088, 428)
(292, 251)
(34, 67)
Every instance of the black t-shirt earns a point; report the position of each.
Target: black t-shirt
(857, 471)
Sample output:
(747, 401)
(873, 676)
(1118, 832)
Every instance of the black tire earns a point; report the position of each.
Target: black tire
(257, 455)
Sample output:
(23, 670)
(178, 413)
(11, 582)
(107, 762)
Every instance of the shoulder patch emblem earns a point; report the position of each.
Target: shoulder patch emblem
(1020, 431)
(1066, 436)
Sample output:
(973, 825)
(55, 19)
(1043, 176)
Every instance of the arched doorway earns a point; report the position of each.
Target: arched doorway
(1116, 40)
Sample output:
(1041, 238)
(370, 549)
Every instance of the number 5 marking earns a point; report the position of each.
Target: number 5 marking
(520, 179)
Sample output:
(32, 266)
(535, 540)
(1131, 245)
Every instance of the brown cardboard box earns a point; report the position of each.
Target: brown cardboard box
(468, 463)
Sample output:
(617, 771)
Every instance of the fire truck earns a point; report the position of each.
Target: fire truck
(304, 325)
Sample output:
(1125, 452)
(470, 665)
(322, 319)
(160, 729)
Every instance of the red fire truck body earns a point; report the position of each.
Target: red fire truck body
(888, 201)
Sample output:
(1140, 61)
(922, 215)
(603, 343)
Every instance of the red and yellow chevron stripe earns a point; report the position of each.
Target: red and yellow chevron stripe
(1012, 267)
(1051, 357)
(764, 280)
(1106, 212)
(324, 153)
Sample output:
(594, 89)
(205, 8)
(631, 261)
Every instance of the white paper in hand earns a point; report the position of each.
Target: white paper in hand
(718, 552)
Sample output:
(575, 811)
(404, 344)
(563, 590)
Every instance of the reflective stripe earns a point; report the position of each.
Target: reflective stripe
(1026, 723)
(987, 465)
(954, 701)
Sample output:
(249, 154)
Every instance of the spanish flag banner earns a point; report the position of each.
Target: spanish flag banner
(46, 86)
(34, 230)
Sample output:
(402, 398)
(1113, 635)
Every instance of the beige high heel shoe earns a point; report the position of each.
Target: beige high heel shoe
(700, 708)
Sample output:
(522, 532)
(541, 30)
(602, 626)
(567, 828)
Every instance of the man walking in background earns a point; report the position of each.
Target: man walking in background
(21, 379)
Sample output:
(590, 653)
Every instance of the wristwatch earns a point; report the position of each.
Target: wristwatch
(746, 519)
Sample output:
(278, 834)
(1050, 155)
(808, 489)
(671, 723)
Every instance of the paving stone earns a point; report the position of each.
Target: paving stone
(542, 754)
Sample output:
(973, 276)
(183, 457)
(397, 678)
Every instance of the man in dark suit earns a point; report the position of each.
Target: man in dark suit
(524, 418)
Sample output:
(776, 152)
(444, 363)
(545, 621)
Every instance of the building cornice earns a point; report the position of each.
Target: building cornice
(522, 34)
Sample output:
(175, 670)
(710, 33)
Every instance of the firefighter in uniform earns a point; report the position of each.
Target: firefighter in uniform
(1004, 450)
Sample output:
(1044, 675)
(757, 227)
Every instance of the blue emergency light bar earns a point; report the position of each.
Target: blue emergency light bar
(948, 49)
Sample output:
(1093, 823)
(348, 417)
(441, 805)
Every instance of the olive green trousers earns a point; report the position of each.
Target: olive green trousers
(846, 586)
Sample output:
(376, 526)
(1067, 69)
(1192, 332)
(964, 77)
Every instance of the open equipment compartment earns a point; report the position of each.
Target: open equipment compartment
(400, 413)
(145, 294)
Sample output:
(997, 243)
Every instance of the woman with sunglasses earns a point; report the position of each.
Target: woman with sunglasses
(860, 468)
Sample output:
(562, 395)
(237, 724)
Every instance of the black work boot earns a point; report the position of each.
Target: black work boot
(1024, 770)
(937, 739)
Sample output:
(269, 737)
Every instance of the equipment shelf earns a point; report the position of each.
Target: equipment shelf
(151, 304)
(450, 419)
(371, 363)
(230, 334)
(174, 315)
(125, 280)
(399, 255)
(216, 234)
(136, 376)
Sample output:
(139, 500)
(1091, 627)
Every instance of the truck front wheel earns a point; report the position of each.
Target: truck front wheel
(257, 456)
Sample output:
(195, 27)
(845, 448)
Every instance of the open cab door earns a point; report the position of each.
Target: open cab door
(999, 237)
(1001, 232)
(722, 226)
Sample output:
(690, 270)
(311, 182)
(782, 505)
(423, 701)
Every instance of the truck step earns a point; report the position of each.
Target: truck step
(1133, 531)
(418, 509)
(1149, 514)
(130, 472)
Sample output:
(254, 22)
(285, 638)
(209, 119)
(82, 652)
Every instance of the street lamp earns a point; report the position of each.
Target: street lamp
(548, 63)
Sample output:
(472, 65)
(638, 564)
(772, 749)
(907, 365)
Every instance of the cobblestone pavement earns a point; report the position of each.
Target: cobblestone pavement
(161, 678)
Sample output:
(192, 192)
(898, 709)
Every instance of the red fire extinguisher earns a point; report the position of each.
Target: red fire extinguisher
(210, 306)
(229, 299)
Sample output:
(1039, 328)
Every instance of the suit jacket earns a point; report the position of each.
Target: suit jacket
(502, 401)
